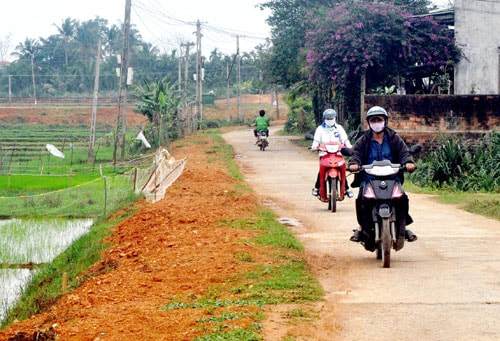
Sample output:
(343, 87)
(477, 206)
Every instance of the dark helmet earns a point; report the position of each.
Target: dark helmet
(376, 111)
(262, 112)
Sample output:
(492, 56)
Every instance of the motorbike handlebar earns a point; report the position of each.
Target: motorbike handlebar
(399, 166)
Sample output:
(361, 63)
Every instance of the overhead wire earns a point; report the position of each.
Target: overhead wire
(155, 18)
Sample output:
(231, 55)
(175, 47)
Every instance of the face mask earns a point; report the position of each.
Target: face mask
(377, 126)
(330, 122)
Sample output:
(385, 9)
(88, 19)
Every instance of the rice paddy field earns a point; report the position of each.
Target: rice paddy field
(25, 244)
(49, 199)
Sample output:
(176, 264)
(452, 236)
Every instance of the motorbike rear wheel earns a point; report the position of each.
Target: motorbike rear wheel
(386, 243)
(263, 145)
(334, 186)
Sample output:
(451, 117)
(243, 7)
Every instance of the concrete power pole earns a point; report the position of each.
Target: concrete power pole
(123, 79)
(93, 119)
(238, 65)
(228, 74)
(126, 76)
(186, 124)
(199, 71)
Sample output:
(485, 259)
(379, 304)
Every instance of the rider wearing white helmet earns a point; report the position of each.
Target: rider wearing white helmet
(329, 131)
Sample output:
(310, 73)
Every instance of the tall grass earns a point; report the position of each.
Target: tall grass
(462, 165)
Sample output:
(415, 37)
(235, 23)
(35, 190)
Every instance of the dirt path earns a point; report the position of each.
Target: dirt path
(445, 286)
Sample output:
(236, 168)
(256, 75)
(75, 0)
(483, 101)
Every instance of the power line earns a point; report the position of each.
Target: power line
(154, 17)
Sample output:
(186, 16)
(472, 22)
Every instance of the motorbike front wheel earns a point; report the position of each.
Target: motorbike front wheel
(334, 186)
(385, 243)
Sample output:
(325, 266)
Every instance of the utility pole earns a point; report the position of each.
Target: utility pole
(186, 77)
(199, 75)
(179, 71)
(126, 69)
(238, 65)
(93, 119)
(122, 78)
(228, 114)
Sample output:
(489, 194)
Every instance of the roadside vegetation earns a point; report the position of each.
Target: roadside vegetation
(284, 280)
(463, 173)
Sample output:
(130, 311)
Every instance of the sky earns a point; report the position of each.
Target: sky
(163, 23)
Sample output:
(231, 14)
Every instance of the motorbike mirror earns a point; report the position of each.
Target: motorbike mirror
(415, 149)
(352, 134)
(346, 151)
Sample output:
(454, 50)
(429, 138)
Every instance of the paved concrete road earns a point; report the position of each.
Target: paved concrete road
(445, 286)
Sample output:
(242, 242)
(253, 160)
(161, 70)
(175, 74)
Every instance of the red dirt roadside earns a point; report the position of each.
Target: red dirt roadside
(176, 248)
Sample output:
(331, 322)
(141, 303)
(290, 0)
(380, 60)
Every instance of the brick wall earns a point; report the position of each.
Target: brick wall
(425, 118)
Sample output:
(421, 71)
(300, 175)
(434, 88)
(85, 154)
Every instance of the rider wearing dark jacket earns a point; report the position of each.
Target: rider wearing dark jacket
(361, 151)
(380, 143)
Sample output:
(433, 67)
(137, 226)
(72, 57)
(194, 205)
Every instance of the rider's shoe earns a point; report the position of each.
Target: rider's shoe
(349, 193)
(315, 192)
(400, 243)
(410, 236)
(356, 236)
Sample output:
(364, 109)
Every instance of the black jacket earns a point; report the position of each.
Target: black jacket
(399, 150)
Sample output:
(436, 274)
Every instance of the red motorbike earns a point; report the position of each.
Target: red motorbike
(332, 173)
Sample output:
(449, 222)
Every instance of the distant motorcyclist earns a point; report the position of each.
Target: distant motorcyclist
(330, 131)
(261, 124)
(378, 143)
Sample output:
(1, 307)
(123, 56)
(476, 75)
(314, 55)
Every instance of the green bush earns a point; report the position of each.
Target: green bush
(300, 117)
(462, 165)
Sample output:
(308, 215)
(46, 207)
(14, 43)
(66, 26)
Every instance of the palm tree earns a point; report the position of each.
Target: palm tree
(112, 40)
(67, 31)
(29, 48)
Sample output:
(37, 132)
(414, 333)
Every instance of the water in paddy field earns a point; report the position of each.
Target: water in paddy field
(24, 242)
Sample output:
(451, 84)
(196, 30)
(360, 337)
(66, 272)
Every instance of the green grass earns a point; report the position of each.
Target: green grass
(12, 185)
(485, 204)
(97, 198)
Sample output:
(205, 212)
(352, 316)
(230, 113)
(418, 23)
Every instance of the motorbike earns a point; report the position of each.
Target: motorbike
(332, 173)
(382, 194)
(262, 142)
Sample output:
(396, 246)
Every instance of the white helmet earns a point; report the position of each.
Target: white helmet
(329, 113)
(376, 111)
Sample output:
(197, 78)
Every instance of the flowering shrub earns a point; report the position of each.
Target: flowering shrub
(356, 37)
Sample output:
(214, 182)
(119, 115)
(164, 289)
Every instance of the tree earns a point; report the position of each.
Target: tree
(284, 61)
(376, 40)
(158, 102)
(4, 47)
(67, 32)
(289, 22)
(29, 48)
